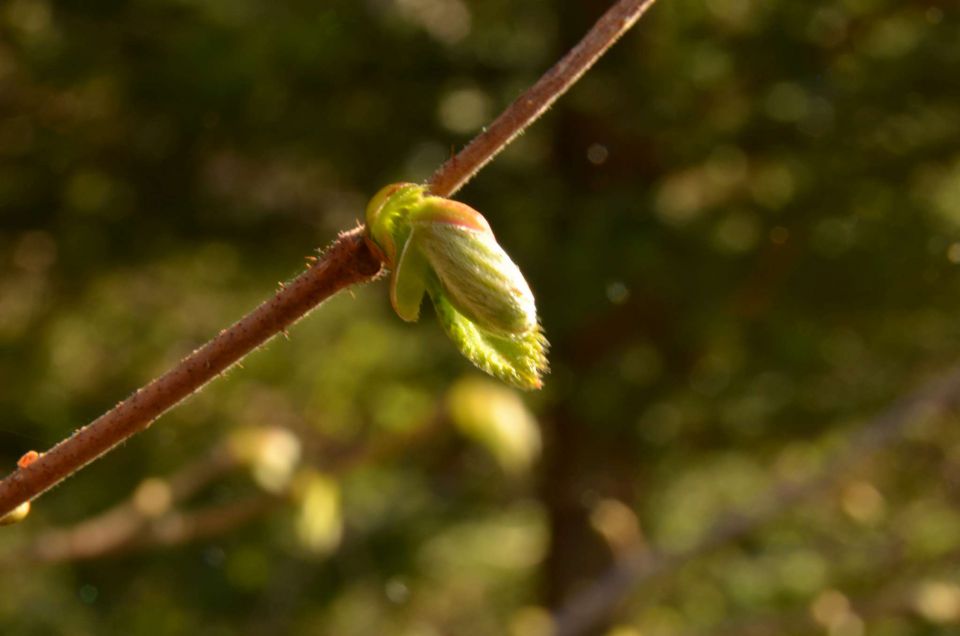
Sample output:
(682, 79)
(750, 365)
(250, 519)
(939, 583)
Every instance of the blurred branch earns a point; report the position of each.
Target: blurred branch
(118, 527)
(527, 108)
(599, 599)
(904, 569)
(125, 531)
(347, 262)
(898, 596)
(185, 527)
(148, 518)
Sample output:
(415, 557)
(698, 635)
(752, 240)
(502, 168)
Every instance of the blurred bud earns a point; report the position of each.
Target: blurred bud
(16, 515)
(446, 249)
(496, 418)
(617, 524)
(938, 601)
(153, 498)
(272, 454)
(862, 502)
(532, 621)
(831, 609)
(319, 524)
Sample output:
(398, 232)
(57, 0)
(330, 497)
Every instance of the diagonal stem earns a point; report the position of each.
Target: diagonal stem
(527, 108)
(347, 262)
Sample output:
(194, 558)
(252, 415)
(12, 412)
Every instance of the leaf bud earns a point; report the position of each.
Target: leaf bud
(446, 249)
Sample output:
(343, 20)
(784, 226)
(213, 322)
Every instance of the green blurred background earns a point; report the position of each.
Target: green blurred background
(741, 228)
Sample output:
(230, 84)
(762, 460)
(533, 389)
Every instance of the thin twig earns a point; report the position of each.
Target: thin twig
(598, 600)
(186, 527)
(527, 108)
(349, 261)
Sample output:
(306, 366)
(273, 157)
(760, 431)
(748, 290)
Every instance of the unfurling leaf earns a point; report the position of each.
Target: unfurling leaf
(447, 250)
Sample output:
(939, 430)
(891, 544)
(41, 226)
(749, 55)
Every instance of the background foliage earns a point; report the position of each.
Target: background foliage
(742, 229)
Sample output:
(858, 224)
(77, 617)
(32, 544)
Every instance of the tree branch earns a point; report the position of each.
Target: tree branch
(347, 262)
(527, 108)
(187, 527)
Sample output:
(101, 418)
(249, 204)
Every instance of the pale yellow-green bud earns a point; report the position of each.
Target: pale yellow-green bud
(446, 249)
(480, 279)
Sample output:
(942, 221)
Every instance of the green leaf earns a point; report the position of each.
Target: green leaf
(409, 282)
(519, 360)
